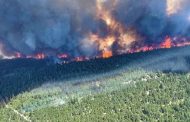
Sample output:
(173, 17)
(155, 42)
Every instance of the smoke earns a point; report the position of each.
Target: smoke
(64, 26)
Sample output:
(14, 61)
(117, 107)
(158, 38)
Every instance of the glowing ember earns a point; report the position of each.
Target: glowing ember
(167, 43)
(39, 56)
(107, 54)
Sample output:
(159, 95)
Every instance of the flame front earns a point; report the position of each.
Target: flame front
(167, 43)
(109, 34)
(107, 54)
(117, 34)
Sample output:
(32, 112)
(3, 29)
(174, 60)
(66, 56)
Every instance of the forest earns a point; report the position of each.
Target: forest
(134, 87)
(152, 97)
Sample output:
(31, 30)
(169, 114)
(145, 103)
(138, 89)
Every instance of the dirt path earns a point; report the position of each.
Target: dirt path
(18, 113)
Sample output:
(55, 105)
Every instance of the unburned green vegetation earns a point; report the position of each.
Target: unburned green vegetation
(149, 97)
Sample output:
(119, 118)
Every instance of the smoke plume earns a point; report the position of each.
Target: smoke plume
(88, 27)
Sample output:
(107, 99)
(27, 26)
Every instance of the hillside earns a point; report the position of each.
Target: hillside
(125, 97)
(161, 98)
(142, 86)
(22, 75)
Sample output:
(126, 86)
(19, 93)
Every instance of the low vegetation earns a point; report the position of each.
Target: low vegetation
(124, 97)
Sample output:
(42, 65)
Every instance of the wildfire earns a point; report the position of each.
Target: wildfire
(117, 33)
(40, 56)
(167, 43)
(78, 59)
(36, 56)
(107, 54)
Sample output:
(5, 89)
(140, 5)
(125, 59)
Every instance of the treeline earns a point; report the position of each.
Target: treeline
(20, 75)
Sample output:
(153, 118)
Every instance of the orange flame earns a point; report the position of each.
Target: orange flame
(107, 54)
(117, 33)
(106, 51)
(167, 43)
(40, 56)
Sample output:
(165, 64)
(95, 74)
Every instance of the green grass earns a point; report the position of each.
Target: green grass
(7, 115)
(129, 96)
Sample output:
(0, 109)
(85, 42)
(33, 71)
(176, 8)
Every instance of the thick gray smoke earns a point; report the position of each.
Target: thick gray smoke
(31, 26)
(150, 18)
(38, 25)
